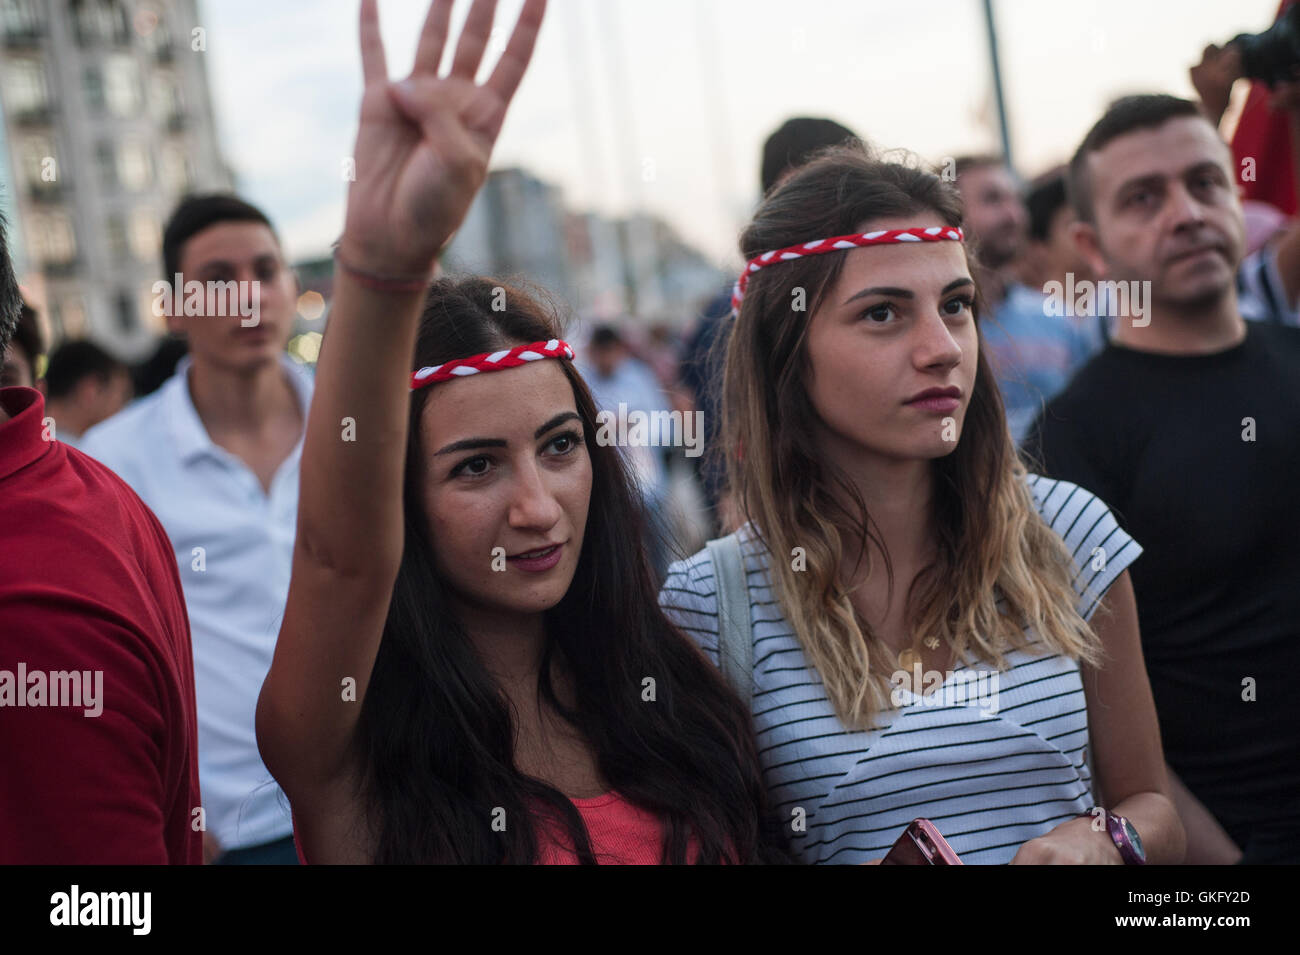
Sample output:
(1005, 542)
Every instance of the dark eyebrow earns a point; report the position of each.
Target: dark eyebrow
(1149, 181)
(555, 422)
(215, 264)
(471, 444)
(225, 264)
(894, 292)
(1157, 179)
(890, 290)
(1206, 166)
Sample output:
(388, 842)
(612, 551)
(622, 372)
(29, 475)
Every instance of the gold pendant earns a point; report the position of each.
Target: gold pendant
(931, 642)
(908, 659)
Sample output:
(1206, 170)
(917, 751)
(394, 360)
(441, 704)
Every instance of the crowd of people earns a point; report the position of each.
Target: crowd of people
(992, 527)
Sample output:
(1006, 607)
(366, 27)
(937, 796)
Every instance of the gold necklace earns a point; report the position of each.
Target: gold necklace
(910, 657)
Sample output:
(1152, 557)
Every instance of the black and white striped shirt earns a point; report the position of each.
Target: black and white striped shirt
(991, 771)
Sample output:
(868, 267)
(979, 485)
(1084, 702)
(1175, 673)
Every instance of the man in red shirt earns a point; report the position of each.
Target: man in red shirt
(98, 734)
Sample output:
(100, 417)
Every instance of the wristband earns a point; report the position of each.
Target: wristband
(380, 283)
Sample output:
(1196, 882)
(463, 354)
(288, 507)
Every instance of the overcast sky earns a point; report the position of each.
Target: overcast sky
(664, 104)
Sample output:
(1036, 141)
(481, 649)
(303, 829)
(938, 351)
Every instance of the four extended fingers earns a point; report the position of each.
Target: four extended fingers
(473, 39)
(470, 49)
(508, 72)
(433, 38)
(514, 61)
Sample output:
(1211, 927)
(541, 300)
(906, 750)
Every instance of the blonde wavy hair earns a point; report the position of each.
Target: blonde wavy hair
(992, 543)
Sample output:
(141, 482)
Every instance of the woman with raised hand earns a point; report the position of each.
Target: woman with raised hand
(473, 666)
(931, 631)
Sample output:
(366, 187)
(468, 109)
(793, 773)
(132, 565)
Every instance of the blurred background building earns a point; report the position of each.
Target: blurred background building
(599, 267)
(107, 122)
(107, 117)
(625, 270)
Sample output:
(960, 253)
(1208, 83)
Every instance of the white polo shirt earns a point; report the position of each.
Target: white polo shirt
(234, 547)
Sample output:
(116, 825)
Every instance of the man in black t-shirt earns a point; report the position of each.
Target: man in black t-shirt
(1188, 425)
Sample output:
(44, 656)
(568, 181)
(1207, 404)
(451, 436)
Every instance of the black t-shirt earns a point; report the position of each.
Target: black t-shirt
(1166, 441)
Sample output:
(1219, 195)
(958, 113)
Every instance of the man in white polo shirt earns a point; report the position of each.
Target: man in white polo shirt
(214, 453)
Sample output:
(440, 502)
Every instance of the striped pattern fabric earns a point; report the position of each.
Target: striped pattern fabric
(991, 772)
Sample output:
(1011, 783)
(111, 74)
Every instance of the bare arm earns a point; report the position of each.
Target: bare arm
(1127, 755)
(1213, 78)
(421, 154)
(1126, 734)
(1207, 842)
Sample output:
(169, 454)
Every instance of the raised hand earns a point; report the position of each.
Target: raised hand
(423, 143)
(1213, 77)
(422, 153)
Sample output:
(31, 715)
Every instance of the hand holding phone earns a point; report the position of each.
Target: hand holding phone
(921, 844)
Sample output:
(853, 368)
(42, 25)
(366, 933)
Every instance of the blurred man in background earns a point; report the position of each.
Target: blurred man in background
(84, 385)
(1187, 424)
(796, 141)
(1051, 254)
(622, 384)
(789, 146)
(215, 453)
(1033, 354)
(1266, 158)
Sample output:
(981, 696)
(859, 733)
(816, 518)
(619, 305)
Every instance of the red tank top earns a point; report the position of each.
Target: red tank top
(620, 834)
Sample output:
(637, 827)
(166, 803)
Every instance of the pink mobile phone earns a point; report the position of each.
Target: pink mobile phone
(921, 844)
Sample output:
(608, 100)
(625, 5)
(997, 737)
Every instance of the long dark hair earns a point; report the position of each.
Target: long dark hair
(435, 736)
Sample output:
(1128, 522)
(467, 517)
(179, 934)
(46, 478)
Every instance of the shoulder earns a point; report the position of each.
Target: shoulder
(302, 378)
(89, 538)
(690, 583)
(689, 598)
(1065, 507)
(1097, 395)
(1275, 337)
(690, 595)
(85, 500)
(1023, 300)
(131, 515)
(121, 438)
(1099, 547)
(1094, 380)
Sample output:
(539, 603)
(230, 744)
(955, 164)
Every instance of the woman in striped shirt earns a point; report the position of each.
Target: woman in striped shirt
(935, 633)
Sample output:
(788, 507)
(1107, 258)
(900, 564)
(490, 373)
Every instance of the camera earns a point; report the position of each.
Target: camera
(1274, 55)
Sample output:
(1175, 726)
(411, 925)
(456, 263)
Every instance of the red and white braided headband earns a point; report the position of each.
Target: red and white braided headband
(835, 244)
(491, 361)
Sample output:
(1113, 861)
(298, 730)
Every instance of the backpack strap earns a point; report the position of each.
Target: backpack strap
(735, 636)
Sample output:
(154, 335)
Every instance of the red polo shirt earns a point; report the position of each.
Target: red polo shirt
(90, 597)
